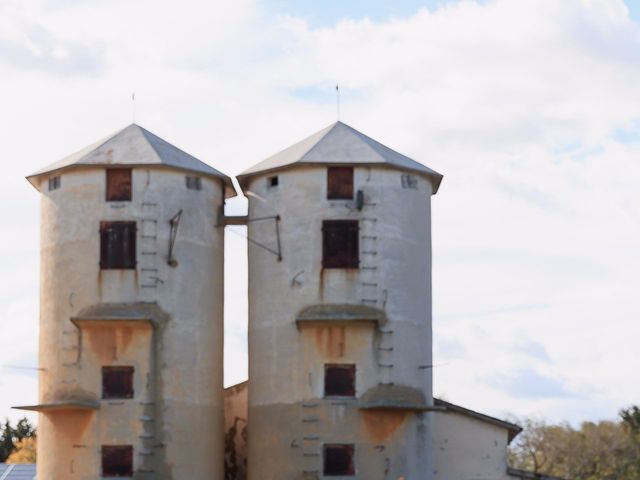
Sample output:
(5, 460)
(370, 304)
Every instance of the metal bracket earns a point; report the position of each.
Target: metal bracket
(246, 220)
(174, 222)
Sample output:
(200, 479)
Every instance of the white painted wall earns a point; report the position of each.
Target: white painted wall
(467, 448)
(188, 403)
(286, 363)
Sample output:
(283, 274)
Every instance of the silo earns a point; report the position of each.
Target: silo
(340, 352)
(131, 313)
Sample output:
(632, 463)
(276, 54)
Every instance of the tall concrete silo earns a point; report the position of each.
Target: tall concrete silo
(340, 371)
(131, 313)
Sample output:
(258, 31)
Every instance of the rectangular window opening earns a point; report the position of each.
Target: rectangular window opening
(340, 380)
(54, 183)
(118, 184)
(409, 181)
(338, 460)
(117, 460)
(340, 183)
(340, 244)
(117, 245)
(272, 182)
(193, 183)
(117, 382)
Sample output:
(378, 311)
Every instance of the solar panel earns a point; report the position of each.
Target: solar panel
(17, 471)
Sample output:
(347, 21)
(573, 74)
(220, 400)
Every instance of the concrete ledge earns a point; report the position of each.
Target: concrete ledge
(339, 314)
(62, 405)
(119, 314)
(395, 397)
(81, 322)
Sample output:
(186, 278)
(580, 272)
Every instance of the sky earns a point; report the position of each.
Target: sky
(530, 109)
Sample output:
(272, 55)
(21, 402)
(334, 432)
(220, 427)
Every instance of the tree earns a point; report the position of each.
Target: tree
(6, 441)
(9, 436)
(24, 451)
(596, 451)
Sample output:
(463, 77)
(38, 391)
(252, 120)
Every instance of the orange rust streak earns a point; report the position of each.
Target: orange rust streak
(126, 334)
(381, 424)
(70, 426)
(102, 341)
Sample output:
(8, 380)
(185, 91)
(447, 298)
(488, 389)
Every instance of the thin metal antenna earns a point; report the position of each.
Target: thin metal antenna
(133, 106)
(338, 100)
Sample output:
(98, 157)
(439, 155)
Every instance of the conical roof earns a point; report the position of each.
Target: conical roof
(134, 146)
(343, 145)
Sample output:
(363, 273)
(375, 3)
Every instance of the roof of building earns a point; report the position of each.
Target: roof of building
(25, 471)
(515, 473)
(511, 427)
(134, 146)
(339, 144)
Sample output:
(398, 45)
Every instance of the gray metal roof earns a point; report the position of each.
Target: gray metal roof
(134, 146)
(339, 144)
(25, 471)
(512, 428)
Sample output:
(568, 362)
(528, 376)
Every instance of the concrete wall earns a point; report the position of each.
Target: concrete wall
(235, 432)
(175, 421)
(289, 418)
(467, 448)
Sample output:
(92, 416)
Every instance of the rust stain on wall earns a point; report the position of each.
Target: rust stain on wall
(380, 424)
(331, 341)
(71, 426)
(125, 337)
(102, 341)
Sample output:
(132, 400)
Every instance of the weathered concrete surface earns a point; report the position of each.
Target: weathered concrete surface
(236, 431)
(175, 420)
(468, 448)
(286, 360)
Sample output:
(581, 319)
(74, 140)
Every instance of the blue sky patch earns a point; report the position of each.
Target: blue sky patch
(634, 9)
(332, 11)
(529, 384)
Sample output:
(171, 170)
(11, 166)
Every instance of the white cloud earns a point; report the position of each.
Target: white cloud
(536, 223)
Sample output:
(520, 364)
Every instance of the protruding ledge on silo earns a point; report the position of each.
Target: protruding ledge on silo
(71, 404)
(120, 314)
(395, 397)
(340, 314)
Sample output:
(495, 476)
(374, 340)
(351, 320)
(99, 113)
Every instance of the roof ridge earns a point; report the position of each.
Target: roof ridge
(366, 140)
(328, 129)
(144, 132)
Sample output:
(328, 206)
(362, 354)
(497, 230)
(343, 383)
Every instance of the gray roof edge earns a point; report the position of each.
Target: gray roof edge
(251, 171)
(512, 427)
(212, 170)
(74, 160)
(434, 177)
(515, 472)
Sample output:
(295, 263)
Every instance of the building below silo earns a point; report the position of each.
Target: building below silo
(468, 444)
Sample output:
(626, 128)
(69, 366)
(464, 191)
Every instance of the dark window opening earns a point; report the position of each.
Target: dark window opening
(117, 460)
(117, 382)
(338, 460)
(272, 181)
(340, 183)
(193, 183)
(340, 380)
(117, 245)
(340, 244)
(54, 183)
(118, 184)
(409, 181)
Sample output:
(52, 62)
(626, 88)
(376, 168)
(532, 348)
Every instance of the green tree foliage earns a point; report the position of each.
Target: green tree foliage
(606, 450)
(9, 436)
